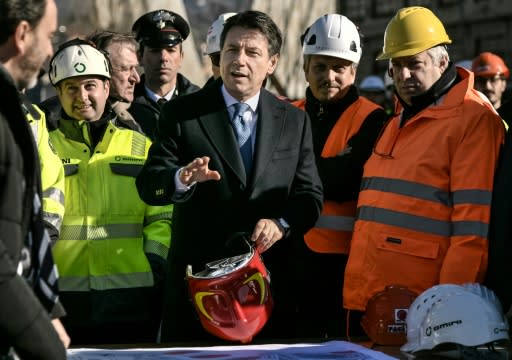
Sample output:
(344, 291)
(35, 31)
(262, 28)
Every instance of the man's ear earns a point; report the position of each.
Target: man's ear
(272, 64)
(22, 36)
(443, 64)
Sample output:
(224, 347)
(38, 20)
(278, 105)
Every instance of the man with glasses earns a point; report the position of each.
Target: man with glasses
(424, 205)
(491, 76)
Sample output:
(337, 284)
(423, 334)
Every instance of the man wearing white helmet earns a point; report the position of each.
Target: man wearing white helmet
(112, 247)
(424, 207)
(213, 43)
(345, 126)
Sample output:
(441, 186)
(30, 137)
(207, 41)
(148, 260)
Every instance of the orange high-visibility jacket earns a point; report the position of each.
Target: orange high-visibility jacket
(424, 207)
(333, 230)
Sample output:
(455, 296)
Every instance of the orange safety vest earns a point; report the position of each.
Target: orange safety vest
(424, 206)
(333, 230)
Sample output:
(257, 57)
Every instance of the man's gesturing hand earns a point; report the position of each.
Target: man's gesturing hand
(198, 171)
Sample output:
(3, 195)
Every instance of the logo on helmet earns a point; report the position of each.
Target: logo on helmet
(79, 67)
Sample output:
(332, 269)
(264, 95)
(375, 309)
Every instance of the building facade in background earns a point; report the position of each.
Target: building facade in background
(473, 25)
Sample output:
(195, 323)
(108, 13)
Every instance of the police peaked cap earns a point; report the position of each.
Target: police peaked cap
(160, 28)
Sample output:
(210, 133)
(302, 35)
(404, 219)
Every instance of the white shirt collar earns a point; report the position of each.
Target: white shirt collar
(230, 100)
(153, 96)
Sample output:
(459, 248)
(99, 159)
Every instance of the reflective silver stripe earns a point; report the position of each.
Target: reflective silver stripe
(162, 216)
(52, 218)
(478, 197)
(427, 192)
(106, 282)
(157, 248)
(408, 188)
(468, 228)
(333, 222)
(422, 223)
(34, 125)
(54, 194)
(138, 145)
(110, 231)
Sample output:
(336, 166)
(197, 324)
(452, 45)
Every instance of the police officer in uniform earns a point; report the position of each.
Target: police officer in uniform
(160, 34)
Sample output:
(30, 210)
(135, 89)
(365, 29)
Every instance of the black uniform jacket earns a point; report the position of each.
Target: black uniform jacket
(146, 112)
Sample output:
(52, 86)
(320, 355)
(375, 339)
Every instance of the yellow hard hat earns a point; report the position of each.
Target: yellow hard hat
(412, 30)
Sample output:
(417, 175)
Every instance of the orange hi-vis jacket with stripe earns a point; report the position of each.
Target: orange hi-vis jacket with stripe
(333, 230)
(424, 207)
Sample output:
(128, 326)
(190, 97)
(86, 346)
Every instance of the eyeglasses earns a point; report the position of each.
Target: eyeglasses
(482, 81)
(215, 58)
(386, 154)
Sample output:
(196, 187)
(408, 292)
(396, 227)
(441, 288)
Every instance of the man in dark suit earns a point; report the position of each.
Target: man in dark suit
(196, 163)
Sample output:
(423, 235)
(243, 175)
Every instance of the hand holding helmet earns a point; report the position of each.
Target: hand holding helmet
(232, 296)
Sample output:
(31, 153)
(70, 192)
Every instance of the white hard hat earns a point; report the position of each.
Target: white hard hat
(419, 309)
(214, 32)
(372, 83)
(77, 58)
(461, 317)
(333, 35)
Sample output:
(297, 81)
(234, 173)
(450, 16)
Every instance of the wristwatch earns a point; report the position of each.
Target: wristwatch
(283, 226)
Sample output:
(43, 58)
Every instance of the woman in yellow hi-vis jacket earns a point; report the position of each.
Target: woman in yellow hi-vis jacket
(112, 250)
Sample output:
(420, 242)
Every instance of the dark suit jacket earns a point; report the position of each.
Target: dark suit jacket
(284, 183)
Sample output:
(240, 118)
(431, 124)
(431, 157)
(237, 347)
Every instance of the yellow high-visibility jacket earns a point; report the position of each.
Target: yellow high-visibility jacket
(113, 246)
(52, 171)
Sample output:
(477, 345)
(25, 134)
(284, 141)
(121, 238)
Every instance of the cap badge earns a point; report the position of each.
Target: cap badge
(161, 17)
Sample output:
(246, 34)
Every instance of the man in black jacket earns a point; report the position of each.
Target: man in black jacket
(26, 29)
(160, 34)
(222, 182)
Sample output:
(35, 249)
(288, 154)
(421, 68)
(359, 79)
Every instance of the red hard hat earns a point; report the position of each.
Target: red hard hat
(384, 318)
(232, 296)
(488, 64)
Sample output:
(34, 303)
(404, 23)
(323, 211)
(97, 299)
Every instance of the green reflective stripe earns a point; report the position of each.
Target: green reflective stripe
(478, 197)
(54, 194)
(105, 282)
(407, 188)
(162, 216)
(52, 218)
(422, 223)
(138, 144)
(110, 231)
(338, 223)
(157, 248)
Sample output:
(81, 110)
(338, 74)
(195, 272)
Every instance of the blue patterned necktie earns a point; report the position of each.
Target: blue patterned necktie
(243, 135)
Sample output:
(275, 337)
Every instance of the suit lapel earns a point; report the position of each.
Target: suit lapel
(218, 129)
(271, 115)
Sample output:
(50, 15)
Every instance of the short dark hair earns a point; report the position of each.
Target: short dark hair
(253, 19)
(12, 12)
